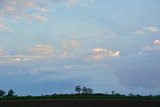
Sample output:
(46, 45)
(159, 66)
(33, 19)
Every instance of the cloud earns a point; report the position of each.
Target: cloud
(2, 53)
(19, 10)
(49, 69)
(20, 58)
(71, 3)
(38, 17)
(34, 10)
(67, 67)
(140, 69)
(39, 70)
(5, 28)
(100, 54)
(151, 29)
(38, 52)
(146, 48)
(140, 32)
(65, 55)
(71, 44)
(157, 42)
(42, 50)
(11, 59)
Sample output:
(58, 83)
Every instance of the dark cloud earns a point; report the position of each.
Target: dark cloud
(141, 69)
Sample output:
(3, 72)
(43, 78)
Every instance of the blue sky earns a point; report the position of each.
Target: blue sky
(50, 46)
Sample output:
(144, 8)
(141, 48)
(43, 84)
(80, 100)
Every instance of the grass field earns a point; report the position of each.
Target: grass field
(80, 103)
(68, 100)
(80, 96)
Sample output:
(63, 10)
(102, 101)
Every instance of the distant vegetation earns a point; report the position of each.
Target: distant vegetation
(83, 90)
(80, 93)
(9, 94)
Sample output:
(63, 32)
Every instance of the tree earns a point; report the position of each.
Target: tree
(117, 94)
(138, 95)
(84, 90)
(87, 90)
(113, 92)
(106, 93)
(2, 93)
(10, 93)
(130, 94)
(78, 89)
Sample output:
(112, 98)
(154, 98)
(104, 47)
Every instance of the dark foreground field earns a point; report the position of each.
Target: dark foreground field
(80, 103)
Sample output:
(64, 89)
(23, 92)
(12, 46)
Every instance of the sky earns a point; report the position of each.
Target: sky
(51, 46)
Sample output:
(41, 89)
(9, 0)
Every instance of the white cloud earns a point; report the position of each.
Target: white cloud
(25, 10)
(5, 28)
(2, 53)
(9, 59)
(65, 55)
(42, 50)
(100, 54)
(20, 58)
(140, 32)
(146, 48)
(71, 3)
(38, 52)
(43, 9)
(38, 17)
(71, 44)
(111, 36)
(67, 67)
(147, 29)
(34, 10)
(151, 29)
(48, 69)
(157, 42)
(39, 70)
(10, 9)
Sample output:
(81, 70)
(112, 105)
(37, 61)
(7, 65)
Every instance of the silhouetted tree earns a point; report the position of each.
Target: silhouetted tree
(131, 94)
(87, 90)
(113, 92)
(78, 89)
(106, 93)
(2, 93)
(84, 90)
(10, 93)
(138, 95)
(117, 94)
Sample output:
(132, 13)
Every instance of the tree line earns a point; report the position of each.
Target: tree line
(78, 91)
(83, 90)
(9, 94)
(87, 91)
